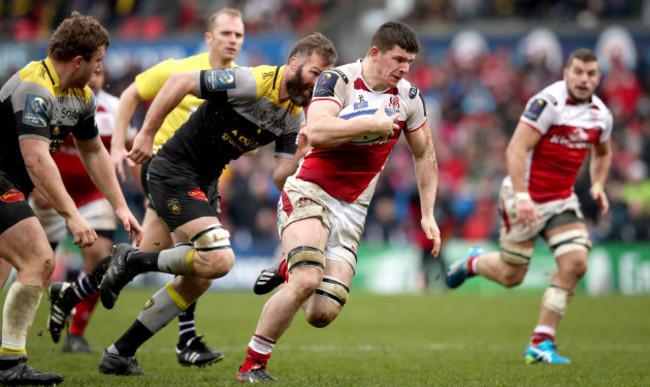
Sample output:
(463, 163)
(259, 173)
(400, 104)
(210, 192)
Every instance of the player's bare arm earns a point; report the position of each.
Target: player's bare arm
(171, 94)
(523, 140)
(601, 159)
(325, 129)
(128, 102)
(426, 174)
(47, 179)
(97, 162)
(285, 167)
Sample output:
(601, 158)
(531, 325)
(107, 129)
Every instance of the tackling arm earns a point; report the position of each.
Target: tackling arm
(325, 129)
(285, 167)
(426, 173)
(47, 179)
(172, 93)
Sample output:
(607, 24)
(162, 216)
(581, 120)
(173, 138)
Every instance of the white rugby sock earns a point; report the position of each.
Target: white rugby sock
(18, 315)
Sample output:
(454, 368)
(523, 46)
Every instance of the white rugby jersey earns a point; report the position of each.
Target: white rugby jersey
(349, 171)
(568, 130)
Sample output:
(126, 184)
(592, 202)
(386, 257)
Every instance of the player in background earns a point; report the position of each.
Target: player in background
(323, 206)
(92, 205)
(40, 105)
(224, 36)
(245, 108)
(559, 127)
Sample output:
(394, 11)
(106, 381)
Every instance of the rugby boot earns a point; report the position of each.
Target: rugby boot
(255, 375)
(22, 374)
(268, 279)
(458, 272)
(544, 352)
(197, 353)
(117, 275)
(60, 310)
(76, 343)
(112, 364)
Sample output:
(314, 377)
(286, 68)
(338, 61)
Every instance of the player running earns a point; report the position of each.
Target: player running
(324, 204)
(224, 36)
(555, 133)
(245, 108)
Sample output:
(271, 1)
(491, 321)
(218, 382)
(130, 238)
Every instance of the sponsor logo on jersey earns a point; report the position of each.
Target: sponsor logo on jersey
(413, 92)
(35, 111)
(13, 195)
(535, 109)
(325, 84)
(267, 74)
(220, 79)
(174, 206)
(577, 138)
(197, 193)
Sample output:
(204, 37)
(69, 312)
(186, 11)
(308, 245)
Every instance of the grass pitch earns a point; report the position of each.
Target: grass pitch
(451, 339)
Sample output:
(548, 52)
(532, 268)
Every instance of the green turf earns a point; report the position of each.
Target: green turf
(449, 339)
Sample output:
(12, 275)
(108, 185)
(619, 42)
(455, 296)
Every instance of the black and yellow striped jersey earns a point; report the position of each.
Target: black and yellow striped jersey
(32, 105)
(150, 82)
(242, 112)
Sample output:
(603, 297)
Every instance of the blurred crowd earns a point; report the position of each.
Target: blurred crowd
(32, 19)
(473, 105)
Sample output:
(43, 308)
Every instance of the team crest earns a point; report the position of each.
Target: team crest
(174, 206)
(304, 202)
(197, 193)
(13, 195)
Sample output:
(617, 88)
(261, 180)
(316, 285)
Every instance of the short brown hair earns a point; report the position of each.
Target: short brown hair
(77, 35)
(212, 21)
(393, 33)
(583, 54)
(314, 43)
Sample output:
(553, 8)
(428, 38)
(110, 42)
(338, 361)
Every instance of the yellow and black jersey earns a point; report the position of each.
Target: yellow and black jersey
(152, 80)
(32, 105)
(242, 112)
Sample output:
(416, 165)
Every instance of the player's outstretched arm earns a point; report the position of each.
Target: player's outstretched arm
(426, 174)
(171, 94)
(47, 179)
(97, 162)
(128, 102)
(601, 160)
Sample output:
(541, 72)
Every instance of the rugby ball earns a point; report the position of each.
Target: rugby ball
(355, 112)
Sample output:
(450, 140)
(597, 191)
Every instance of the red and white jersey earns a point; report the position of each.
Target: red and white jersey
(568, 130)
(349, 171)
(74, 175)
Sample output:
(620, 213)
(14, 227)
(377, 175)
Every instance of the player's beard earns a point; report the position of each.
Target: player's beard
(298, 93)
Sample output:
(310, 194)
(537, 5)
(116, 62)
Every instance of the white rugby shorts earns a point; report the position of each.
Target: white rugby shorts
(513, 231)
(344, 221)
(99, 213)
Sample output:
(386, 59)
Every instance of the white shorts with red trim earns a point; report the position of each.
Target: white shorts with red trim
(513, 231)
(344, 221)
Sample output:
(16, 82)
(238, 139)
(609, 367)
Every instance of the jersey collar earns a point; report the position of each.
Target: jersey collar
(51, 72)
